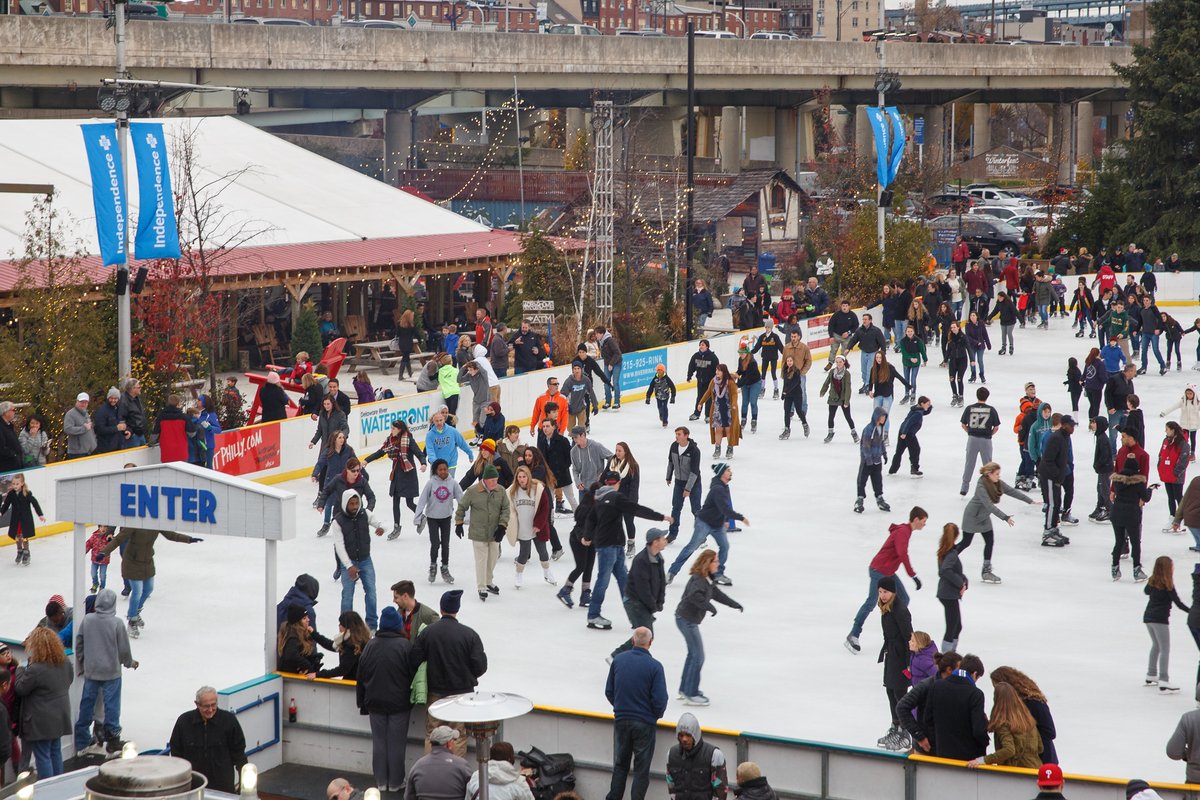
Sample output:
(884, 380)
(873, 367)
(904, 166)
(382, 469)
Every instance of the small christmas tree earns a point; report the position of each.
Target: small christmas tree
(306, 336)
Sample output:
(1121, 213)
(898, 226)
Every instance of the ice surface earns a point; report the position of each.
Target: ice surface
(799, 569)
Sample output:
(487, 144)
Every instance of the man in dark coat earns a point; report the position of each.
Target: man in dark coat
(456, 660)
(10, 446)
(108, 437)
(304, 594)
(211, 739)
(954, 715)
(646, 586)
(1053, 469)
(528, 350)
(131, 416)
(637, 689)
(384, 693)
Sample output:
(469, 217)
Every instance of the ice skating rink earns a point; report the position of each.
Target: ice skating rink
(799, 569)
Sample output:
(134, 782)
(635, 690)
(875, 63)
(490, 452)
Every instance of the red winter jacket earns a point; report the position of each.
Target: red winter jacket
(894, 551)
(1172, 464)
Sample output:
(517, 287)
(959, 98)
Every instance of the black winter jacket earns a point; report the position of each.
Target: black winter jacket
(608, 517)
(954, 717)
(557, 452)
(1053, 464)
(647, 582)
(455, 655)
(385, 674)
(698, 597)
(216, 748)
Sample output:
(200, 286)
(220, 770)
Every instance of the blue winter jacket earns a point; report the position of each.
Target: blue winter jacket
(718, 505)
(912, 423)
(637, 687)
(334, 464)
(870, 446)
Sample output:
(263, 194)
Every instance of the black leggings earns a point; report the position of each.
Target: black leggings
(988, 541)
(769, 364)
(411, 502)
(894, 693)
(957, 368)
(1127, 525)
(405, 364)
(845, 413)
(906, 442)
(875, 473)
(630, 531)
(439, 538)
(523, 549)
(585, 559)
(953, 611)
(1093, 396)
(792, 405)
(1174, 495)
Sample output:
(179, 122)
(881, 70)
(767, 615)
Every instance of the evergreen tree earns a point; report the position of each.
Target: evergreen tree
(1162, 161)
(1101, 221)
(307, 334)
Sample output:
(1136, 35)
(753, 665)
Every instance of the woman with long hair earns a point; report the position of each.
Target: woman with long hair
(624, 464)
(1130, 494)
(883, 377)
(529, 522)
(956, 361)
(837, 385)
(1037, 704)
(533, 459)
(1173, 459)
(894, 655)
(977, 516)
(942, 320)
(43, 686)
(363, 388)
(295, 649)
(401, 448)
(977, 342)
(912, 356)
(353, 635)
(22, 503)
(331, 463)
(1018, 743)
(952, 585)
(330, 418)
(697, 601)
(1189, 416)
(406, 338)
(582, 550)
(1095, 375)
(749, 384)
(724, 422)
(793, 397)
(1157, 617)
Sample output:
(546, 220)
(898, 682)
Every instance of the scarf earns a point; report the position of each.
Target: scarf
(720, 388)
(618, 466)
(962, 673)
(398, 448)
(994, 490)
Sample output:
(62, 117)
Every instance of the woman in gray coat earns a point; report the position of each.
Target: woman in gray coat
(977, 516)
(952, 585)
(44, 686)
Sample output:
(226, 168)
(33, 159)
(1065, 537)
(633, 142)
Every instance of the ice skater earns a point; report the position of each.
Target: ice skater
(896, 622)
(435, 507)
(698, 596)
(977, 516)
(793, 397)
(714, 514)
(980, 421)
(952, 585)
(906, 439)
(872, 454)
(662, 389)
(1157, 616)
(837, 385)
(20, 526)
(771, 345)
(724, 422)
(891, 555)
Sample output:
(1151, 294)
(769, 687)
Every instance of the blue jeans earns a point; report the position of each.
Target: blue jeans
(1149, 340)
(956, 308)
(631, 739)
(700, 323)
(750, 396)
(701, 531)
(1044, 313)
(614, 382)
(47, 755)
(139, 593)
(910, 375)
(1025, 469)
(99, 574)
(865, 360)
(976, 354)
(111, 692)
(886, 404)
(132, 441)
(677, 503)
(610, 561)
(689, 682)
(898, 329)
(1195, 532)
(366, 574)
(804, 392)
(873, 599)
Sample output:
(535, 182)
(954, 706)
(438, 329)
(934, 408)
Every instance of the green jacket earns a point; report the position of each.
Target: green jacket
(1016, 749)
(488, 511)
(912, 351)
(448, 381)
(1118, 324)
(419, 694)
(137, 564)
(835, 398)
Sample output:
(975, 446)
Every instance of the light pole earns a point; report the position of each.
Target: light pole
(820, 24)
(885, 82)
(124, 312)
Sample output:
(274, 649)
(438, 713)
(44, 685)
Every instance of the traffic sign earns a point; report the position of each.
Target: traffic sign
(918, 130)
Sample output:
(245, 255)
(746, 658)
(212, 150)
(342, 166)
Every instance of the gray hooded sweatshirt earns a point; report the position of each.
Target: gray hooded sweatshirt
(102, 643)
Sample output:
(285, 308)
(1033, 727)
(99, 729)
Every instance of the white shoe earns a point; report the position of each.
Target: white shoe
(1166, 688)
(549, 576)
(520, 577)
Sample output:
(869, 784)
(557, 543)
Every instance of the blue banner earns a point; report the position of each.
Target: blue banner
(898, 140)
(108, 188)
(638, 368)
(157, 234)
(879, 124)
(918, 130)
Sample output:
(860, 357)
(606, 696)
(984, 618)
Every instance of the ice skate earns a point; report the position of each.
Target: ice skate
(432, 572)
(1138, 575)
(585, 597)
(519, 579)
(858, 506)
(324, 529)
(829, 436)
(787, 434)
(630, 548)
(987, 576)
(694, 417)
(888, 740)
(564, 596)
(754, 426)
(1151, 680)
(446, 576)
(852, 644)
(717, 451)
(1116, 573)
(599, 624)
(729, 451)
(854, 435)
(548, 576)
(394, 535)
(1165, 687)
(775, 395)
(805, 424)
(916, 473)
(883, 506)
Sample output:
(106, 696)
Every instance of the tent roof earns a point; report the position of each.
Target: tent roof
(292, 195)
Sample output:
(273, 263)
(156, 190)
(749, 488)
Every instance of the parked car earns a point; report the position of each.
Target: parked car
(775, 36)
(147, 11)
(574, 29)
(716, 35)
(390, 24)
(1000, 197)
(940, 204)
(980, 231)
(272, 21)
(648, 33)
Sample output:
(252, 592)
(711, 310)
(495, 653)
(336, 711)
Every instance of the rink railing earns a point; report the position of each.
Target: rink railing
(330, 732)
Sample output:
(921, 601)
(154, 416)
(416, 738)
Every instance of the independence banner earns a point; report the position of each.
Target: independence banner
(898, 142)
(157, 234)
(108, 188)
(879, 124)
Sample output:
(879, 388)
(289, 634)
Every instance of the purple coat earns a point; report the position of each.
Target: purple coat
(922, 665)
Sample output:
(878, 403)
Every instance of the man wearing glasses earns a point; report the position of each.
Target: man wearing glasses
(341, 789)
(211, 740)
(539, 405)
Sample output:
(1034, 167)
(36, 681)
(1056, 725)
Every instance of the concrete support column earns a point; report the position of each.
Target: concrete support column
(397, 142)
(1121, 126)
(731, 140)
(806, 147)
(1085, 125)
(1060, 144)
(935, 135)
(839, 120)
(785, 138)
(863, 149)
(982, 139)
(657, 131)
(574, 122)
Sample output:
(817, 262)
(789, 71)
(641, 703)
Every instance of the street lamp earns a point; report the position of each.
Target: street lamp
(885, 81)
(820, 24)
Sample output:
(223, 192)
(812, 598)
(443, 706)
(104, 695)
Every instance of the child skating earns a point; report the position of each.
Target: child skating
(662, 389)
(22, 503)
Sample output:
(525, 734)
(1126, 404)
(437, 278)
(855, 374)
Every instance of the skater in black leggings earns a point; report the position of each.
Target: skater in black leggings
(837, 385)
(582, 550)
(952, 584)
(401, 448)
(977, 516)
(1129, 493)
(771, 346)
(435, 508)
(793, 397)
(956, 361)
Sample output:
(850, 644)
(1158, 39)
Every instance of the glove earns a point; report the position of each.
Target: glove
(647, 401)
(498, 535)
(917, 581)
(458, 530)
(712, 611)
(195, 539)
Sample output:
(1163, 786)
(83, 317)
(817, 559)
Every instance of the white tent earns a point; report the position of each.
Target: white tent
(294, 195)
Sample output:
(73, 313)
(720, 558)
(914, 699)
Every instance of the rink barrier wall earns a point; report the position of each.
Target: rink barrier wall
(330, 733)
(369, 423)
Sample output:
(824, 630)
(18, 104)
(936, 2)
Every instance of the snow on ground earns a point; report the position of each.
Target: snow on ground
(799, 569)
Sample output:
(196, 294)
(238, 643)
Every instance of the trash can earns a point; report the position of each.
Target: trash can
(766, 263)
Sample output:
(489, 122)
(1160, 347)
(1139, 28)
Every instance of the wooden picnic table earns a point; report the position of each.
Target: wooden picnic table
(373, 354)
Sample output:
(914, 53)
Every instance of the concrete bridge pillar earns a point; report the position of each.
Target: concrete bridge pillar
(1118, 123)
(574, 122)
(864, 149)
(839, 121)
(935, 135)
(806, 146)
(1085, 124)
(657, 131)
(785, 138)
(731, 140)
(397, 142)
(982, 136)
